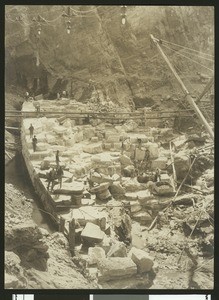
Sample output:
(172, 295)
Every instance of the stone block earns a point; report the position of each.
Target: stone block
(105, 195)
(142, 259)
(115, 177)
(129, 171)
(135, 206)
(165, 178)
(125, 160)
(100, 188)
(92, 233)
(116, 268)
(107, 146)
(95, 254)
(139, 154)
(131, 196)
(94, 139)
(59, 129)
(117, 250)
(153, 149)
(117, 146)
(88, 133)
(182, 164)
(142, 217)
(113, 138)
(144, 196)
(78, 137)
(42, 146)
(116, 189)
(93, 148)
(160, 163)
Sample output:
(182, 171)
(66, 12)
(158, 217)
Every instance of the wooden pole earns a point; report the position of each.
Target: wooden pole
(188, 97)
(71, 237)
(173, 167)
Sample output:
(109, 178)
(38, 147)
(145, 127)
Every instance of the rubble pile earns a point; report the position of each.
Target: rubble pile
(118, 177)
(34, 258)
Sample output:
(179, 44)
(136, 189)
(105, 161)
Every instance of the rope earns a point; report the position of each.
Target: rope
(188, 58)
(186, 48)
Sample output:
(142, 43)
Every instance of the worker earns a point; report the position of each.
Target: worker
(139, 143)
(59, 174)
(51, 178)
(27, 95)
(166, 124)
(64, 94)
(58, 96)
(37, 107)
(31, 129)
(157, 177)
(34, 142)
(57, 159)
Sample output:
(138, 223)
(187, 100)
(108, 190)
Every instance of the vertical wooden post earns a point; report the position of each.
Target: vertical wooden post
(71, 236)
(173, 167)
(62, 225)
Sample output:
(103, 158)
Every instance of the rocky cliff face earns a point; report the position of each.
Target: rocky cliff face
(119, 61)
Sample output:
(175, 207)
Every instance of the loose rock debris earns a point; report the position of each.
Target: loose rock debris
(131, 227)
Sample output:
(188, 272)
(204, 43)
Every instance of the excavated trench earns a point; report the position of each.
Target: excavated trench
(17, 175)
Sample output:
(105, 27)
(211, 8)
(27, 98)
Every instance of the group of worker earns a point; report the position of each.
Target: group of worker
(33, 137)
(63, 94)
(54, 173)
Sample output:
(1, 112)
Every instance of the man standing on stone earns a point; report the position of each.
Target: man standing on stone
(31, 129)
(34, 142)
(59, 175)
(57, 159)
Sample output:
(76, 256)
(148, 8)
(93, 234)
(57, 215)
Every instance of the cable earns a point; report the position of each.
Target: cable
(209, 59)
(189, 59)
(85, 12)
(186, 48)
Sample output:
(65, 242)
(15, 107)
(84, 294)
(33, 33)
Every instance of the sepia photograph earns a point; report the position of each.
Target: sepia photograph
(109, 148)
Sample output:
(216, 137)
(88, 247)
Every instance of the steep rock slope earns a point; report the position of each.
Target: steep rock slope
(118, 61)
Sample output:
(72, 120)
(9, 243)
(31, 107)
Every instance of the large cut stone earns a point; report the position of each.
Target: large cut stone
(95, 254)
(142, 217)
(113, 138)
(72, 188)
(100, 188)
(92, 233)
(160, 163)
(153, 149)
(125, 160)
(129, 171)
(135, 206)
(139, 154)
(117, 250)
(93, 148)
(182, 164)
(131, 196)
(143, 261)
(116, 267)
(116, 189)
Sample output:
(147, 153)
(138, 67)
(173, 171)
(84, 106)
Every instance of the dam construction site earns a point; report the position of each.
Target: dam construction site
(109, 147)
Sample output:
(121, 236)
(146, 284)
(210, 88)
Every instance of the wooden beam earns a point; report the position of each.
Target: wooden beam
(208, 86)
(71, 236)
